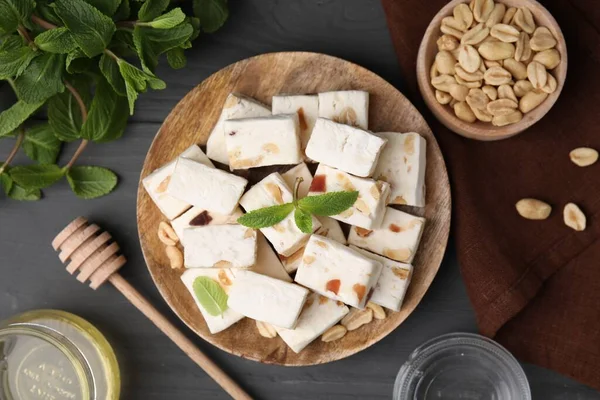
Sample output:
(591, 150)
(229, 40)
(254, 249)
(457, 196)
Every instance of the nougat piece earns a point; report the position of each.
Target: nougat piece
(319, 314)
(393, 282)
(338, 272)
(157, 182)
(350, 107)
(368, 210)
(285, 236)
(219, 246)
(344, 147)
(236, 106)
(206, 187)
(397, 238)
(263, 141)
(402, 165)
(307, 108)
(267, 299)
(224, 277)
(197, 216)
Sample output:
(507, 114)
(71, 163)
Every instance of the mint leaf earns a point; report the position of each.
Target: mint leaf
(11, 118)
(33, 177)
(152, 9)
(6, 181)
(176, 58)
(168, 20)
(195, 22)
(329, 203)
(151, 43)
(46, 12)
(90, 182)
(41, 145)
(210, 295)
(42, 79)
(303, 220)
(111, 72)
(123, 12)
(14, 61)
(77, 62)
(58, 40)
(11, 42)
(19, 193)
(14, 12)
(107, 116)
(265, 217)
(107, 7)
(212, 13)
(91, 29)
(64, 113)
(136, 81)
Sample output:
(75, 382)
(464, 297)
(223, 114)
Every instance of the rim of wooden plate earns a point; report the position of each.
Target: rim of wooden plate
(296, 72)
(485, 130)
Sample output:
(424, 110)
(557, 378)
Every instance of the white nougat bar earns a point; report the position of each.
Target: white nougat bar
(338, 272)
(197, 216)
(263, 141)
(350, 107)
(344, 147)
(397, 238)
(219, 246)
(307, 108)
(157, 182)
(267, 299)
(402, 165)
(236, 106)
(393, 282)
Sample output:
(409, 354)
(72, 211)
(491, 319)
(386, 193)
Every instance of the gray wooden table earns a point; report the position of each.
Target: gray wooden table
(152, 367)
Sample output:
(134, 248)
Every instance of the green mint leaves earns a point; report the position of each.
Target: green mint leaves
(210, 295)
(323, 205)
(66, 58)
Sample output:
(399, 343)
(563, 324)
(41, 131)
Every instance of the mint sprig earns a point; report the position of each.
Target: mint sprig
(327, 204)
(66, 60)
(210, 295)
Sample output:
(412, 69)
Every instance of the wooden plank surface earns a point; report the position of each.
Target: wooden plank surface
(153, 368)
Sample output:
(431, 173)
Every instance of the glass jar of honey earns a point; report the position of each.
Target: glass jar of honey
(55, 355)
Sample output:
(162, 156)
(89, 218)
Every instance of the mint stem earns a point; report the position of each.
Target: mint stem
(111, 54)
(14, 150)
(42, 22)
(299, 180)
(84, 114)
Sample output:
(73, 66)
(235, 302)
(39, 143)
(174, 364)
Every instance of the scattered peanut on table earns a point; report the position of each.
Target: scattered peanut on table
(487, 49)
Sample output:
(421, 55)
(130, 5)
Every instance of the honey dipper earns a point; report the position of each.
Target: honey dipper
(94, 255)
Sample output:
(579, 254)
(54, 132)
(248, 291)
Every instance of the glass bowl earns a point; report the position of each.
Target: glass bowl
(461, 366)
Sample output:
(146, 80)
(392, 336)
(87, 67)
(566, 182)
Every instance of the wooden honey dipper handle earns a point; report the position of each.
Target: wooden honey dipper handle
(92, 254)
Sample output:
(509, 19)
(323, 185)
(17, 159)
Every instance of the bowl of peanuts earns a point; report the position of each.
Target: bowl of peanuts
(490, 69)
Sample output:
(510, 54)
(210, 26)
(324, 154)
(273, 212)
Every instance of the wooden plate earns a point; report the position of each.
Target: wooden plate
(261, 77)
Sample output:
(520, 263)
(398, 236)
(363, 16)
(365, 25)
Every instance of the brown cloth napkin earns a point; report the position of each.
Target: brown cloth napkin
(535, 285)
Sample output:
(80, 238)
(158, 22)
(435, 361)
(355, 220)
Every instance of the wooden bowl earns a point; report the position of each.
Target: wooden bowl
(485, 130)
(261, 77)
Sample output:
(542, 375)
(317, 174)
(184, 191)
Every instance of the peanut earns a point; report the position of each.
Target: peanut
(464, 112)
(550, 85)
(542, 39)
(574, 218)
(453, 23)
(449, 30)
(166, 234)
(459, 92)
(444, 62)
(442, 97)
(537, 75)
(334, 333)
(469, 58)
(463, 16)
(490, 91)
(506, 92)
(523, 49)
(583, 156)
(511, 118)
(495, 51)
(533, 209)
(470, 85)
(266, 330)
(482, 9)
(357, 318)
(468, 76)
(521, 87)
(490, 64)
(482, 114)
(496, 15)
(509, 15)
(548, 58)
(447, 42)
(443, 82)
(477, 99)
(475, 35)
(378, 311)
(516, 68)
(175, 257)
(433, 71)
(505, 33)
(497, 76)
(501, 107)
(524, 20)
